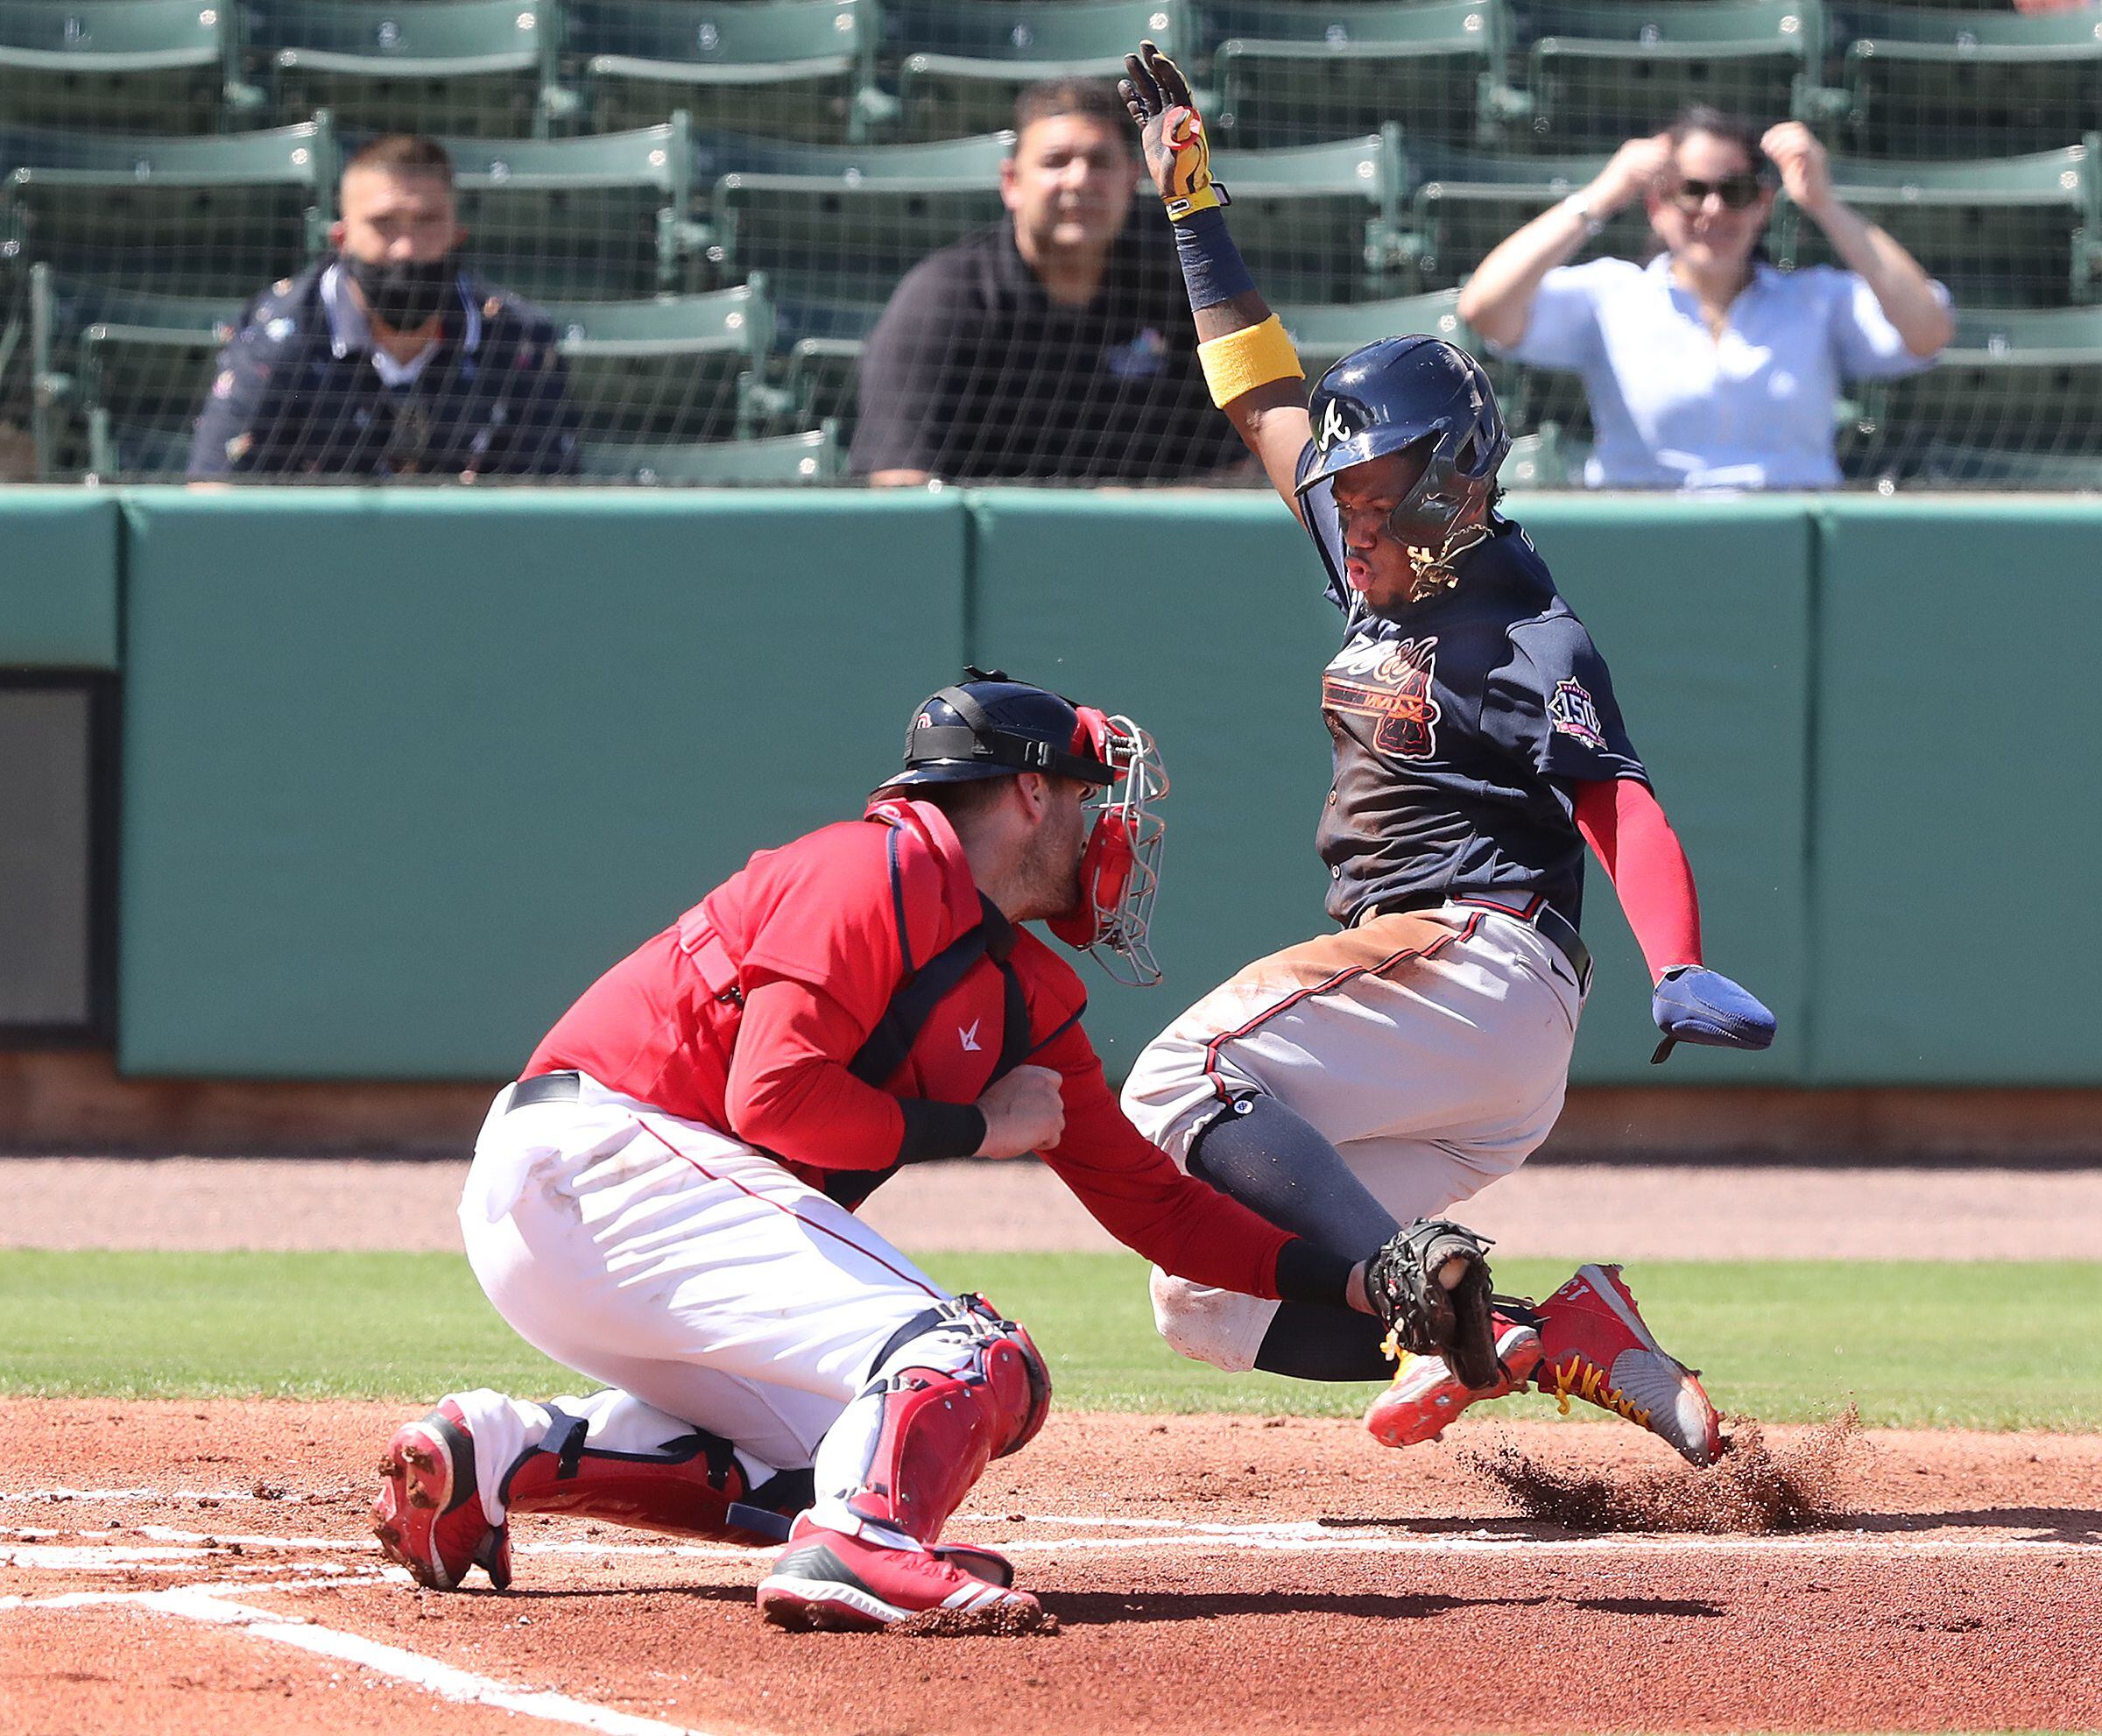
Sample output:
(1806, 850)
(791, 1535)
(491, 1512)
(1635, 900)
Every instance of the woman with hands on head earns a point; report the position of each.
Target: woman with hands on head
(1709, 368)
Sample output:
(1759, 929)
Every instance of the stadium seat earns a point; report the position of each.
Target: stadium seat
(121, 374)
(2024, 380)
(783, 68)
(842, 222)
(1461, 203)
(2005, 231)
(1545, 459)
(1944, 464)
(174, 215)
(140, 65)
(1928, 82)
(600, 217)
(670, 369)
(1324, 334)
(812, 456)
(1607, 70)
(462, 67)
(819, 379)
(962, 62)
(1288, 73)
(1315, 222)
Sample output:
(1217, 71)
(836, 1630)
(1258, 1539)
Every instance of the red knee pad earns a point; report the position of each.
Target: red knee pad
(939, 1430)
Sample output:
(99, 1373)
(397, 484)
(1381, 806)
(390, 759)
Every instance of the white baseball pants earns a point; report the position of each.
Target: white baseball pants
(1431, 1048)
(694, 1276)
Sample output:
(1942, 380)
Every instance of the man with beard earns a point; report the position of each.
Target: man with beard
(1057, 343)
(666, 1199)
(388, 359)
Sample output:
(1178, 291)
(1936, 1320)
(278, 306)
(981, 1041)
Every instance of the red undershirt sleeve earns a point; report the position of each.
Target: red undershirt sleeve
(1132, 1188)
(790, 1094)
(1626, 828)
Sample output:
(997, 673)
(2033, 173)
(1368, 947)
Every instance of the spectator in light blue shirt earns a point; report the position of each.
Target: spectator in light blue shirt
(1708, 368)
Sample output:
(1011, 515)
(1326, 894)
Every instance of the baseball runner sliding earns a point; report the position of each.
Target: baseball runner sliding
(666, 1199)
(1384, 1072)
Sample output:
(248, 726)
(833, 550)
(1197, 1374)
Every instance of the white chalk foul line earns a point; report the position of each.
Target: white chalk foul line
(447, 1681)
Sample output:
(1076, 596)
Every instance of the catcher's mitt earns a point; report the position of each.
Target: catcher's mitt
(1431, 1306)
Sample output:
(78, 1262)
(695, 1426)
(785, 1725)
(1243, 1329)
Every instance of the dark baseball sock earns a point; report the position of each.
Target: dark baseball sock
(1310, 1343)
(1279, 1165)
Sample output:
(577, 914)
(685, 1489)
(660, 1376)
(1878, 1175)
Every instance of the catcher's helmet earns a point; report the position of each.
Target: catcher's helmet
(991, 727)
(1423, 393)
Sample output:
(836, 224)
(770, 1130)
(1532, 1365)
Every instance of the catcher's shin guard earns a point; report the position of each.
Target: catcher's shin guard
(693, 1487)
(958, 1388)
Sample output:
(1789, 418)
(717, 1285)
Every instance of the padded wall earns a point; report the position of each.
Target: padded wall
(1958, 813)
(1703, 609)
(58, 579)
(404, 770)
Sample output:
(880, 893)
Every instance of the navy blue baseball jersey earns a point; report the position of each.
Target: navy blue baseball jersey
(1460, 726)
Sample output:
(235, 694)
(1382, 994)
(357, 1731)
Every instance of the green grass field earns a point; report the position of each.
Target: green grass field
(1914, 1345)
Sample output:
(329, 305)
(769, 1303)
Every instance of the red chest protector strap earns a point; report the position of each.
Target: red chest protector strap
(913, 1001)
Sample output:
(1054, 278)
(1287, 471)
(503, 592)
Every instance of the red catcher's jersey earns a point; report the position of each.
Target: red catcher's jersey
(745, 1013)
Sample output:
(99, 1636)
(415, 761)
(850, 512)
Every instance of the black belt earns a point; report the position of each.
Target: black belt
(1554, 927)
(545, 1087)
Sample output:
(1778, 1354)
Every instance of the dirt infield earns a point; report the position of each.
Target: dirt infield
(182, 1566)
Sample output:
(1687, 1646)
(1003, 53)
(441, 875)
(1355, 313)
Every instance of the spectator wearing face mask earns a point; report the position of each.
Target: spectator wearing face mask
(1709, 368)
(388, 359)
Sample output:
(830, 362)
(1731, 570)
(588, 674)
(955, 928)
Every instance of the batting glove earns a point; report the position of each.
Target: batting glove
(1696, 1005)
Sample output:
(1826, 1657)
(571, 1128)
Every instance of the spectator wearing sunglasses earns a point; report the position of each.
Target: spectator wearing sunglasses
(1709, 368)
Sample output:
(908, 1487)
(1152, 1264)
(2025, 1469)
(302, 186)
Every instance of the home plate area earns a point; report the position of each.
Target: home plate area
(184, 1565)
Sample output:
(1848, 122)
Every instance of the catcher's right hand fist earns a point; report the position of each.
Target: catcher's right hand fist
(1025, 1112)
(1430, 1288)
(1177, 153)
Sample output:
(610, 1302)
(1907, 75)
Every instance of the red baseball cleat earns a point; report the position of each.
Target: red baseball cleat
(1596, 1347)
(1426, 1395)
(826, 1579)
(428, 1515)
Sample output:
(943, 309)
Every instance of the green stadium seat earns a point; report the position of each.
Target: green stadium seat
(843, 222)
(783, 68)
(1325, 334)
(2004, 231)
(2021, 380)
(1315, 222)
(673, 370)
(814, 456)
(1926, 82)
(1461, 203)
(460, 66)
(171, 215)
(1609, 70)
(120, 374)
(819, 378)
(601, 217)
(962, 62)
(1289, 72)
(1945, 464)
(1545, 459)
(140, 65)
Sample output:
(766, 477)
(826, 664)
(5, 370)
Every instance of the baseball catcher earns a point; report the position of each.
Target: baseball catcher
(666, 1198)
(1377, 1074)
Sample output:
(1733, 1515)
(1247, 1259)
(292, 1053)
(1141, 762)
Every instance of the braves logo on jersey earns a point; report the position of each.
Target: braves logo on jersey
(1389, 684)
(1575, 713)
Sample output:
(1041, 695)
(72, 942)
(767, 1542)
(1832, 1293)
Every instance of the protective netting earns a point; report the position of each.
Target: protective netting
(714, 200)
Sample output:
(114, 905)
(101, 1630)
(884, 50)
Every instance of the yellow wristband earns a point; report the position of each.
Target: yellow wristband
(1241, 360)
(1208, 197)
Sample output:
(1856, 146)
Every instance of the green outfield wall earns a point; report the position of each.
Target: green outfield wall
(402, 770)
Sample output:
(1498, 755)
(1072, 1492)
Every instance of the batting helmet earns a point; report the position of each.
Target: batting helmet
(1421, 394)
(991, 727)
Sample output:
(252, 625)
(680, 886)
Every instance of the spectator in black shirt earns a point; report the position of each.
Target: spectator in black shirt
(1056, 344)
(388, 359)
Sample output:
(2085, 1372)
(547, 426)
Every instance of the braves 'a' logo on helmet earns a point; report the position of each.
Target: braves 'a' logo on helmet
(1391, 685)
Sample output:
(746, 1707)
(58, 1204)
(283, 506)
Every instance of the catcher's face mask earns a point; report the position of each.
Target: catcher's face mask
(1120, 869)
